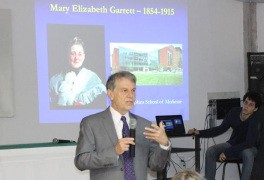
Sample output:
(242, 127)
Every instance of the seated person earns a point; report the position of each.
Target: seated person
(243, 141)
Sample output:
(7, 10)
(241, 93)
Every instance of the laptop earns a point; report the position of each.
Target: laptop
(174, 125)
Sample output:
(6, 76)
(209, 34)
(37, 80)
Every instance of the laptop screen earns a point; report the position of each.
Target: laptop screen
(173, 124)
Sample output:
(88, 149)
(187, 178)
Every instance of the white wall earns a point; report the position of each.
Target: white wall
(260, 26)
(215, 56)
(216, 59)
(24, 126)
(6, 66)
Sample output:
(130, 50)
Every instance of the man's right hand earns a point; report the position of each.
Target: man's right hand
(122, 145)
(193, 131)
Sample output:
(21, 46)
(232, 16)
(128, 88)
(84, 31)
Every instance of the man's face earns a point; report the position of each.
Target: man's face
(77, 56)
(123, 96)
(249, 107)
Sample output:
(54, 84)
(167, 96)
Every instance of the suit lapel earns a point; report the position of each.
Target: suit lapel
(109, 126)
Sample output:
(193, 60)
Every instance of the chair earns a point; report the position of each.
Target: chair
(260, 129)
(236, 161)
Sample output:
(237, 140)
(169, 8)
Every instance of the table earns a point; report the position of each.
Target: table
(163, 174)
(40, 161)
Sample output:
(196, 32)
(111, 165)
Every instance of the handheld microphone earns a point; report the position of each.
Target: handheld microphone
(132, 148)
(55, 140)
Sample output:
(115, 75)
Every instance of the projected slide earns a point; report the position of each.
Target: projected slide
(80, 43)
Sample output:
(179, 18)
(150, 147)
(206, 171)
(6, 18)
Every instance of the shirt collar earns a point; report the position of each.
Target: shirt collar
(117, 116)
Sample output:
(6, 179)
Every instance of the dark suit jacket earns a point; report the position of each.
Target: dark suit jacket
(96, 149)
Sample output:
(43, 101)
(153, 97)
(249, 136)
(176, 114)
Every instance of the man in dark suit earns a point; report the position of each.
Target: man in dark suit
(101, 146)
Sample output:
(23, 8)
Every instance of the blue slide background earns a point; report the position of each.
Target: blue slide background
(118, 28)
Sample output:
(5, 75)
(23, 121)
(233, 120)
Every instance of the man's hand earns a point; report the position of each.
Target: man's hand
(222, 157)
(193, 131)
(157, 133)
(122, 145)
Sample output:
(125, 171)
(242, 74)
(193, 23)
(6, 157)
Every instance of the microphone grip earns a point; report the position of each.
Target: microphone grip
(132, 148)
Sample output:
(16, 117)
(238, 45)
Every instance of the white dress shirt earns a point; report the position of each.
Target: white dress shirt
(117, 121)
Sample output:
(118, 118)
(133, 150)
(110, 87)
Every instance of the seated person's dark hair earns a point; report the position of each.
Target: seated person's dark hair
(253, 96)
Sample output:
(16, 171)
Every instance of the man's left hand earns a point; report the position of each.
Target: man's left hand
(157, 133)
(222, 157)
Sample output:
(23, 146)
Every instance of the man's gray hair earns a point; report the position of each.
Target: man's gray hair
(110, 84)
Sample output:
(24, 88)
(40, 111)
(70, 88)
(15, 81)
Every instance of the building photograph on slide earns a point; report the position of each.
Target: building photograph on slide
(153, 64)
(80, 43)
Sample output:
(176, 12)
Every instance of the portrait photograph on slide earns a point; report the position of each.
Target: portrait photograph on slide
(80, 43)
(76, 58)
